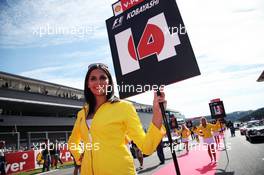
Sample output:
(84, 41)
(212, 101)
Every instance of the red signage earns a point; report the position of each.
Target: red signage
(215, 100)
(127, 4)
(28, 160)
(20, 161)
(65, 155)
(217, 108)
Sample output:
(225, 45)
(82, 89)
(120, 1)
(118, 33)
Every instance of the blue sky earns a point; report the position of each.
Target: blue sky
(226, 35)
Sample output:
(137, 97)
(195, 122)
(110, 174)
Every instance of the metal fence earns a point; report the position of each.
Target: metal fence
(12, 140)
(15, 142)
(53, 136)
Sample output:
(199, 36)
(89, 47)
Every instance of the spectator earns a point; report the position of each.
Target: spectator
(232, 129)
(52, 157)
(56, 156)
(160, 153)
(46, 157)
(139, 156)
(6, 85)
(2, 158)
(27, 88)
(77, 168)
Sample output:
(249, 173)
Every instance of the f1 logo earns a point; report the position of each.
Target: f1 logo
(156, 39)
(118, 22)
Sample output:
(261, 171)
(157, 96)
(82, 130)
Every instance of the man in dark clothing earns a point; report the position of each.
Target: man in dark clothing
(46, 157)
(2, 158)
(161, 153)
(56, 157)
(139, 156)
(232, 129)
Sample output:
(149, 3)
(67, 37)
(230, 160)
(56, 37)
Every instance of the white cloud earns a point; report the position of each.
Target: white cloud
(226, 36)
(238, 90)
(71, 75)
(100, 51)
(20, 19)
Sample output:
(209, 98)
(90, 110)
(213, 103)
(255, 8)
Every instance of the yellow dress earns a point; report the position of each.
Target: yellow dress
(216, 127)
(110, 125)
(185, 133)
(207, 131)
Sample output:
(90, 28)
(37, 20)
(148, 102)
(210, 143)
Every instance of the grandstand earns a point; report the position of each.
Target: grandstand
(32, 110)
(261, 77)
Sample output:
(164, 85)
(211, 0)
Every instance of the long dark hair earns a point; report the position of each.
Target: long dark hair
(89, 96)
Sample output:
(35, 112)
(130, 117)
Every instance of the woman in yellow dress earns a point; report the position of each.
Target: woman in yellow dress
(205, 130)
(216, 132)
(194, 129)
(104, 122)
(185, 133)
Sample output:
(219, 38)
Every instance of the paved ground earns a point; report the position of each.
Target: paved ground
(244, 159)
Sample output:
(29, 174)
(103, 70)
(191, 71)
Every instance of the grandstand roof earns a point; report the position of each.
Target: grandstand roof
(18, 77)
(261, 77)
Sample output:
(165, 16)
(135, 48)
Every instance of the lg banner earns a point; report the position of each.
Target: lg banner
(149, 46)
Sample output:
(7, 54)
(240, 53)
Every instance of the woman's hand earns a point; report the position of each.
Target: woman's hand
(157, 115)
(81, 157)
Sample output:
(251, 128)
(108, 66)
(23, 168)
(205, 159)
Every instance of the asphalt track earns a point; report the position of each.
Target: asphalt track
(244, 159)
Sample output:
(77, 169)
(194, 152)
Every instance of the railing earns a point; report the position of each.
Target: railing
(14, 142)
(11, 138)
